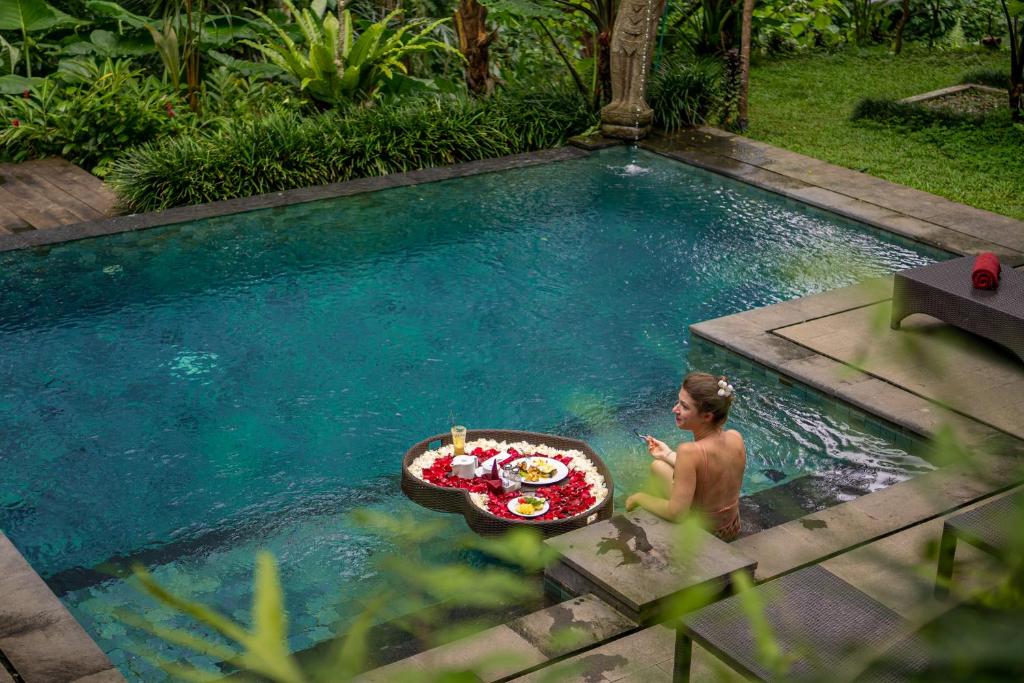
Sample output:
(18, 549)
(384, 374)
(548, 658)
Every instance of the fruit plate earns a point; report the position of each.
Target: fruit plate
(513, 506)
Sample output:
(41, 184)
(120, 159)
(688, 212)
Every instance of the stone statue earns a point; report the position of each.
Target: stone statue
(632, 49)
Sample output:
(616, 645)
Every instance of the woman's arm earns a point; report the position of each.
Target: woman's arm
(659, 450)
(678, 504)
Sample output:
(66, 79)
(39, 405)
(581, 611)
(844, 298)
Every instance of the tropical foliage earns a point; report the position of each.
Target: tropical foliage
(335, 65)
(286, 150)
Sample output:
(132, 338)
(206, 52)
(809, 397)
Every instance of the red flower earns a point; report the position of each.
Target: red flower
(170, 110)
(25, 93)
(15, 122)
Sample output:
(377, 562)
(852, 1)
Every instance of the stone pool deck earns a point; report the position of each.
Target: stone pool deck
(40, 642)
(830, 342)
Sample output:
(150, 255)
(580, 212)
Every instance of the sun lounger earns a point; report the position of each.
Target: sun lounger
(985, 527)
(944, 291)
(822, 625)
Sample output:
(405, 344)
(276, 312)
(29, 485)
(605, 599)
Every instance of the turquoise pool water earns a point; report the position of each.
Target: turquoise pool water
(186, 395)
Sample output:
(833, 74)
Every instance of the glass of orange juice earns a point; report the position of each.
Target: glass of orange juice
(459, 439)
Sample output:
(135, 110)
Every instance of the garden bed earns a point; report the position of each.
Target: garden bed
(969, 100)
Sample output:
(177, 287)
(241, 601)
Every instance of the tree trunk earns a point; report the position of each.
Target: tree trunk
(748, 18)
(603, 93)
(474, 43)
(897, 41)
(1016, 31)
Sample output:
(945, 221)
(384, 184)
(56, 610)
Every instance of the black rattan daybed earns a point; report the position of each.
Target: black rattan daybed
(481, 521)
(943, 290)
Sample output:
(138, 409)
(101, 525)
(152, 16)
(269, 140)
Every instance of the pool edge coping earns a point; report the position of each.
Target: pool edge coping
(73, 232)
(48, 642)
(913, 214)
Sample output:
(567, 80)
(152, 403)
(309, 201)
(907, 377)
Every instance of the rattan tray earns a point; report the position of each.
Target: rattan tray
(455, 500)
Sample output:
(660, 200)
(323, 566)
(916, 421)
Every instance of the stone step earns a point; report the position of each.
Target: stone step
(38, 636)
(519, 646)
(630, 562)
(642, 657)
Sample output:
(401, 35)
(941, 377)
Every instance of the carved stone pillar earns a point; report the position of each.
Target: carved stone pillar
(627, 116)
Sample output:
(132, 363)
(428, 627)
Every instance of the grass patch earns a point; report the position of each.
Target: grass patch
(805, 104)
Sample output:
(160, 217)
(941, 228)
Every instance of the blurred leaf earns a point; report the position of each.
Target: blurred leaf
(522, 547)
(269, 640)
(945, 448)
(490, 587)
(197, 611)
(768, 651)
(591, 409)
(179, 637)
(351, 655)
(405, 528)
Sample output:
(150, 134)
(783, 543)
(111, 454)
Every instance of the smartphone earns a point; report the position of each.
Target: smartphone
(637, 434)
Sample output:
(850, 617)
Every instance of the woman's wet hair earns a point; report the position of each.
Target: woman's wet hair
(703, 389)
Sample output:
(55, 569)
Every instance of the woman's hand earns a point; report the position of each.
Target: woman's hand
(659, 450)
(632, 503)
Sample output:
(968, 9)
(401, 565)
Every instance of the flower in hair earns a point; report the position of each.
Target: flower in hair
(724, 389)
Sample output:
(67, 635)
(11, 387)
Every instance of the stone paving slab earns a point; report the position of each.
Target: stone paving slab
(825, 534)
(899, 571)
(5, 677)
(587, 618)
(548, 634)
(927, 357)
(753, 334)
(494, 654)
(38, 635)
(632, 558)
(613, 661)
(644, 657)
(108, 676)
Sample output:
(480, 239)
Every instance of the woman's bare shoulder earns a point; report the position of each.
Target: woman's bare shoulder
(686, 451)
(733, 434)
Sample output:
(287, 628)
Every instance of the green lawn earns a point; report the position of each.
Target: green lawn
(804, 104)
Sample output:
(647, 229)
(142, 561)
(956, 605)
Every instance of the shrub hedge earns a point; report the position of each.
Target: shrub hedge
(687, 92)
(285, 150)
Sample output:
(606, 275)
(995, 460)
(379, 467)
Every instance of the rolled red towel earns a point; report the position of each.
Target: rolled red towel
(985, 274)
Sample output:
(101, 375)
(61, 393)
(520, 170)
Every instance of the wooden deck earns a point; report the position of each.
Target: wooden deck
(37, 195)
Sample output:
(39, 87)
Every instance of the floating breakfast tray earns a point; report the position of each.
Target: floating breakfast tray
(449, 499)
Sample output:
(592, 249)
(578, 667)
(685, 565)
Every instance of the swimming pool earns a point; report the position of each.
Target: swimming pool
(185, 395)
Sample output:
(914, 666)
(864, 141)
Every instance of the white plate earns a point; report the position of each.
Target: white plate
(561, 472)
(515, 502)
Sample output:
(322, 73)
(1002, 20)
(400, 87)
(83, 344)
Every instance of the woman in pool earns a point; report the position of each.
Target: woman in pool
(705, 474)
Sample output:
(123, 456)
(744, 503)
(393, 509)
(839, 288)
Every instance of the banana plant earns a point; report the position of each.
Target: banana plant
(31, 16)
(335, 66)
